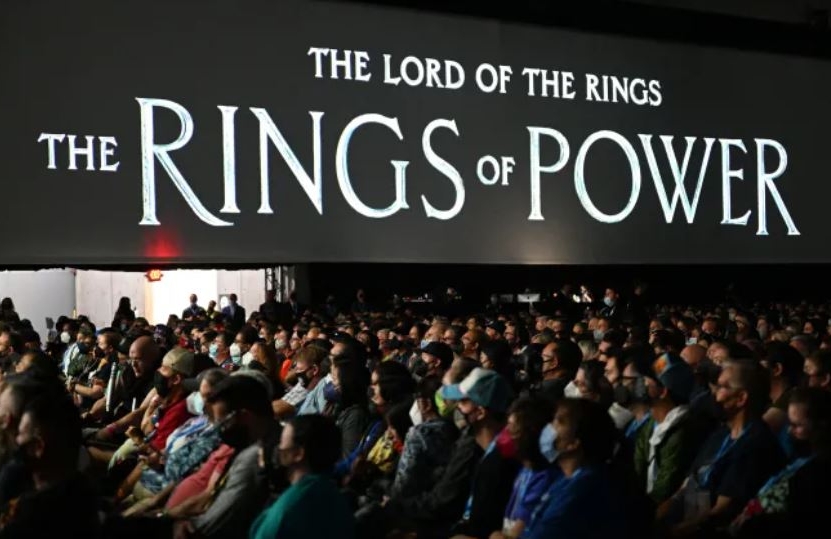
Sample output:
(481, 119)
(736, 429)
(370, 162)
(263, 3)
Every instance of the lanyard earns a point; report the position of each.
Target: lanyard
(725, 448)
(523, 481)
(790, 470)
(469, 504)
(636, 424)
(554, 495)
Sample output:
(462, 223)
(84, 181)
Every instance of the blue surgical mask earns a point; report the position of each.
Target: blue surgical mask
(548, 437)
(331, 394)
(608, 301)
(598, 335)
(213, 350)
(424, 343)
(195, 403)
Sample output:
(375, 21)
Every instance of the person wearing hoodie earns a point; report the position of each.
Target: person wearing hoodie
(669, 441)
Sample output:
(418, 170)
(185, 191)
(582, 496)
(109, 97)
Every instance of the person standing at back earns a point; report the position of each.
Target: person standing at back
(234, 314)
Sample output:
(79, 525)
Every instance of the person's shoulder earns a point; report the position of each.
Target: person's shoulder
(758, 435)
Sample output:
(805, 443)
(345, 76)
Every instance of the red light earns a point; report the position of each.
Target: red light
(154, 275)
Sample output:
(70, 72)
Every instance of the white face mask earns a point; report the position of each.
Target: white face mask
(196, 406)
(279, 344)
(247, 358)
(571, 391)
(415, 415)
(236, 353)
(65, 337)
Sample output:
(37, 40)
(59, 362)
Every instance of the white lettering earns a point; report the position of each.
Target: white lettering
(536, 168)
(765, 182)
(312, 187)
(342, 168)
(445, 168)
(229, 160)
(726, 175)
(678, 174)
(51, 139)
(106, 148)
(150, 151)
(580, 179)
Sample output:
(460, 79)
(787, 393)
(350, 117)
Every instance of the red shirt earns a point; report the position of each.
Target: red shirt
(173, 417)
(198, 481)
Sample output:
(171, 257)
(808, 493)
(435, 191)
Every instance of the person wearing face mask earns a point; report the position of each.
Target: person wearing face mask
(473, 341)
(220, 350)
(581, 501)
(527, 418)
(266, 333)
(433, 512)
(734, 462)
(670, 439)
(16, 393)
(234, 490)
(86, 392)
(484, 398)
(631, 391)
(309, 446)
(601, 329)
(69, 337)
(347, 401)
(308, 372)
(611, 305)
(186, 448)
(785, 367)
(560, 361)
(428, 444)
(61, 502)
(791, 503)
(436, 358)
(241, 349)
(390, 384)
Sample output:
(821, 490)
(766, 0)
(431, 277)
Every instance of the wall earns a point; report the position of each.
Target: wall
(248, 285)
(40, 294)
(98, 293)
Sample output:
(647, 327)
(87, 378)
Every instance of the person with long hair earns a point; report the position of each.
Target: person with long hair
(792, 502)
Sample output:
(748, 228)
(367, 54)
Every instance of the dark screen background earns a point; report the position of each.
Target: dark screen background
(78, 69)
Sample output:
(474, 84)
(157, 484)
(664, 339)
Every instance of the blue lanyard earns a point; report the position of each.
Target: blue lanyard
(523, 481)
(725, 448)
(469, 504)
(636, 424)
(791, 469)
(554, 495)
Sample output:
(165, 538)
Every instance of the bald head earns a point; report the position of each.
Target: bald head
(144, 354)
(694, 355)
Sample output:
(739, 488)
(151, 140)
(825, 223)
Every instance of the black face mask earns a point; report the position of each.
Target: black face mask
(161, 384)
(234, 435)
(801, 448)
(623, 395)
(421, 369)
(21, 454)
(98, 353)
(303, 377)
(83, 348)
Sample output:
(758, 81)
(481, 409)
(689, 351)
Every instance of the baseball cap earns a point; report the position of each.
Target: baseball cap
(673, 373)
(484, 387)
(179, 360)
(497, 325)
(441, 351)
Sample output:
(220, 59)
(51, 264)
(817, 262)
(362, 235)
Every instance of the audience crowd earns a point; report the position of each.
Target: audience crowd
(573, 419)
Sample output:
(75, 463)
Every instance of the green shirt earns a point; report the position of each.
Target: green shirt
(297, 513)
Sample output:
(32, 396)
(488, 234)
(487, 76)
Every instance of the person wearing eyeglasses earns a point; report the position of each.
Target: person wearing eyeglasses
(734, 462)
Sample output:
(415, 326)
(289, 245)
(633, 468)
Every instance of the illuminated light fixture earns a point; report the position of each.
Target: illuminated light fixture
(154, 275)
